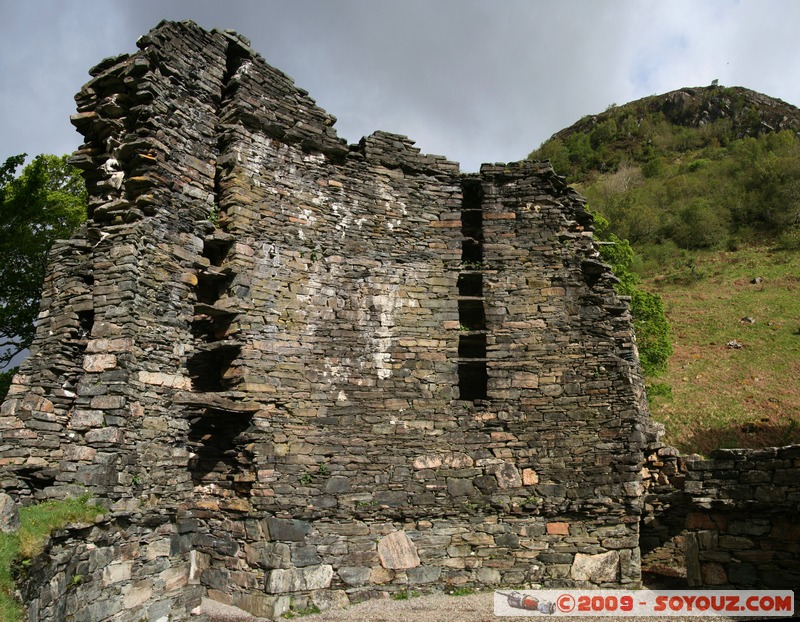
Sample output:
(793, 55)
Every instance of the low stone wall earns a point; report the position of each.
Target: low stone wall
(122, 567)
(331, 564)
(730, 521)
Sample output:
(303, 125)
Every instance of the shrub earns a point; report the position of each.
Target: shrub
(647, 309)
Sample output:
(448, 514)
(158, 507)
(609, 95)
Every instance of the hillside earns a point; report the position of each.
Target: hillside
(705, 184)
(746, 112)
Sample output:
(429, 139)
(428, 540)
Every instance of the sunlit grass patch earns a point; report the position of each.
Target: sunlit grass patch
(37, 522)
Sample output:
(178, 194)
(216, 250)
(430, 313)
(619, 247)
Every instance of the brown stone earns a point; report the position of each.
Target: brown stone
(557, 529)
(397, 552)
(529, 477)
(713, 573)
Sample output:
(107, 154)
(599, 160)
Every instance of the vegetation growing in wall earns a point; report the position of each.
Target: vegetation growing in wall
(647, 308)
(37, 522)
(44, 203)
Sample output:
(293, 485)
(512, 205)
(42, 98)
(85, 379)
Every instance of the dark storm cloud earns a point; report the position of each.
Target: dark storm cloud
(470, 79)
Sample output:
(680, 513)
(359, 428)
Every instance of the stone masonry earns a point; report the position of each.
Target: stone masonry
(729, 521)
(299, 371)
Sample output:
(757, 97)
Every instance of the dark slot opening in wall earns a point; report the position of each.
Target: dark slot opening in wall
(471, 253)
(471, 194)
(470, 284)
(472, 346)
(211, 285)
(208, 368)
(472, 223)
(472, 230)
(85, 323)
(219, 441)
(216, 250)
(212, 328)
(472, 374)
(37, 479)
(472, 380)
(471, 314)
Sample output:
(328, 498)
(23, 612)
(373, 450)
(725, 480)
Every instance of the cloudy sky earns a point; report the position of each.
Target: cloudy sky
(475, 80)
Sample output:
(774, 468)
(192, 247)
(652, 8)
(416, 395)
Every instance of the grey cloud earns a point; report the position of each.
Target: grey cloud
(472, 80)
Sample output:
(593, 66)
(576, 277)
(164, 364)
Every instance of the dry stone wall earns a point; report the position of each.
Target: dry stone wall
(322, 371)
(729, 521)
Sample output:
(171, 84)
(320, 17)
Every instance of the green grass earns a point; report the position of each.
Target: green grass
(37, 522)
(723, 397)
(405, 595)
(461, 591)
(311, 610)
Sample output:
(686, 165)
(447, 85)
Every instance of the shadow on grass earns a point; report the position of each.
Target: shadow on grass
(752, 435)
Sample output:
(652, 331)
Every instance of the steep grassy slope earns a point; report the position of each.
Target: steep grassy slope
(705, 184)
(733, 378)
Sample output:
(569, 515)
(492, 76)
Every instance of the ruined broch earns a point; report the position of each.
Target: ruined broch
(299, 371)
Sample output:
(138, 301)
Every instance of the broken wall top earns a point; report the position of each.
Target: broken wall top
(251, 298)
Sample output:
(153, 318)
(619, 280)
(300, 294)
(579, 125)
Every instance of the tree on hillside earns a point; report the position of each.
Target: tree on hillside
(46, 202)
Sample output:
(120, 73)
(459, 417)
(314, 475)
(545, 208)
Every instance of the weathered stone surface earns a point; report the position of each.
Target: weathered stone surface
(288, 530)
(508, 476)
(117, 572)
(299, 579)
(268, 555)
(9, 514)
(330, 599)
(354, 575)
(424, 574)
(600, 568)
(262, 605)
(397, 551)
(99, 362)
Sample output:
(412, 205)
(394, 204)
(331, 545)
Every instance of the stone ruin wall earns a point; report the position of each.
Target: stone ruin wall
(729, 521)
(321, 371)
(298, 371)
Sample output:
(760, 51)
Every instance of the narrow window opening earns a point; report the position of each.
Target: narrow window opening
(211, 328)
(211, 369)
(471, 314)
(470, 284)
(211, 284)
(472, 245)
(85, 323)
(472, 372)
(220, 440)
(216, 250)
(472, 380)
(472, 346)
(471, 195)
(471, 254)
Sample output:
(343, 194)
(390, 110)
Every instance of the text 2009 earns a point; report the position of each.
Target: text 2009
(605, 603)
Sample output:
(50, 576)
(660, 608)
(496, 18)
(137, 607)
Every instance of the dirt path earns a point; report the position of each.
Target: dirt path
(431, 608)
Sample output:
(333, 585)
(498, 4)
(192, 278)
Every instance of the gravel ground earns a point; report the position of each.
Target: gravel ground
(432, 608)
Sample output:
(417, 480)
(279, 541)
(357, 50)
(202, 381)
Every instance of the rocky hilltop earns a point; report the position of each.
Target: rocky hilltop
(750, 113)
